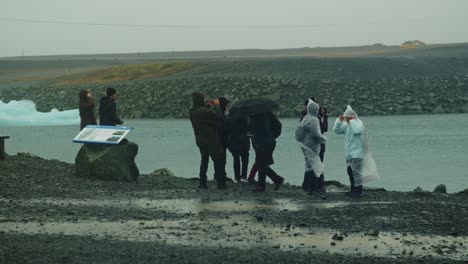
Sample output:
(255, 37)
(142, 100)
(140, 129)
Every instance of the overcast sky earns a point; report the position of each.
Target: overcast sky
(176, 25)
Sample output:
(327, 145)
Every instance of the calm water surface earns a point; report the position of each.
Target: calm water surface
(410, 151)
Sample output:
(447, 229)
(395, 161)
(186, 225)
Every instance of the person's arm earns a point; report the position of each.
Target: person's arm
(324, 123)
(318, 133)
(340, 126)
(356, 126)
(116, 119)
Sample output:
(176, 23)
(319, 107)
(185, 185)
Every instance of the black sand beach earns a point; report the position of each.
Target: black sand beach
(48, 215)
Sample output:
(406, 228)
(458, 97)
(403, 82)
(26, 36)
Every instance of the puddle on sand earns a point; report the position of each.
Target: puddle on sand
(182, 206)
(243, 232)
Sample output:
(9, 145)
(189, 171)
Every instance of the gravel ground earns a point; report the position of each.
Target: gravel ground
(48, 215)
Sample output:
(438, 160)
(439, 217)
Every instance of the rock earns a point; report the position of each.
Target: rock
(373, 232)
(438, 110)
(464, 192)
(441, 188)
(107, 162)
(163, 172)
(337, 237)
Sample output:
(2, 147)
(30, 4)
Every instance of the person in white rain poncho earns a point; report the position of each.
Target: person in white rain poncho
(309, 138)
(360, 164)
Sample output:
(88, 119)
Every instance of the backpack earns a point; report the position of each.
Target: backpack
(276, 125)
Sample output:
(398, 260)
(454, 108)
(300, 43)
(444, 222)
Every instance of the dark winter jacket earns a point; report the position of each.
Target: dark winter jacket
(238, 140)
(261, 128)
(206, 123)
(87, 113)
(108, 112)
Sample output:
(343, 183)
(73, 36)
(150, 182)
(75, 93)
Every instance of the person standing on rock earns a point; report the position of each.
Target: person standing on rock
(206, 123)
(238, 143)
(265, 128)
(361, 166)
(322, 116)
(86, 109)
(108, 110)
(309, 138)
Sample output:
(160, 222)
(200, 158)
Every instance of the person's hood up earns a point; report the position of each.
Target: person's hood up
(198, 99)
(350, 112)
(312, 108)
(105, 100)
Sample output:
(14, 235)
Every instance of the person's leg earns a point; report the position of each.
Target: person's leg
(350, 175)
(261, 163)
(355, 165)
(236, 165)
(252, 173)
(203, 168)
(245, 164)
(322, 152)
(220, 169)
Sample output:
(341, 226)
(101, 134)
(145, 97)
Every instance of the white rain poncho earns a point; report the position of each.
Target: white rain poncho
(356, 146)
(309, 138)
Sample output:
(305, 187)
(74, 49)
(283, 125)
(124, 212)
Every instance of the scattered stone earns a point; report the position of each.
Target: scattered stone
(373, 232)
(338, 237)
(163, 172)
(441, 188)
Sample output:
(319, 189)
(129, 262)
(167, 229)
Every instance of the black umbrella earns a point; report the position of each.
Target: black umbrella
(252, 106)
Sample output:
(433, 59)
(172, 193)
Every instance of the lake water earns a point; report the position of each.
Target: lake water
(410, 151)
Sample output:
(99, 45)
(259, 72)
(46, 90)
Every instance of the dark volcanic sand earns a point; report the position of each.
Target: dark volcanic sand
(47, 215)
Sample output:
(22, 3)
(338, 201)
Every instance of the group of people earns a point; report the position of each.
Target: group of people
(216, 132)
(107, 109)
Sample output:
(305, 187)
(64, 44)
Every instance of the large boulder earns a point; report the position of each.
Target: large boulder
(108, 162)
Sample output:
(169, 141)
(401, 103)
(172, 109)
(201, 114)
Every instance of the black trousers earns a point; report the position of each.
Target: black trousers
(241, 164)
(322, 152)
(219, 163)
(263, 160)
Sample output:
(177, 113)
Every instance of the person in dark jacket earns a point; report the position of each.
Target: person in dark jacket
(323, 120)
(86, 109)
(206, 123)
(238, 143)
(107, 109)
(262, 127)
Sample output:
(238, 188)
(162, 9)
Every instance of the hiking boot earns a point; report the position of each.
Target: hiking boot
(238, 179)
(259, 189)
(355, 192)
(279, 183)
(228, 179)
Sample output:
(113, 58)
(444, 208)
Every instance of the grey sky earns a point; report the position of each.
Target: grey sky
(323, 23)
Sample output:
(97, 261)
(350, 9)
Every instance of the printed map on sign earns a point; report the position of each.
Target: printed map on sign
(102, 134)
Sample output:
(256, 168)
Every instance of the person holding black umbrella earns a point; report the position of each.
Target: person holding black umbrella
(206, 123)
(265, 128)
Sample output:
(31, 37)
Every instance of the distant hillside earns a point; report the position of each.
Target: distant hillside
(377, 50)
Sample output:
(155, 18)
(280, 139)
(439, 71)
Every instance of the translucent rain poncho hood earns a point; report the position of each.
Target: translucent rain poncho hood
(309, 138)
(356, 145)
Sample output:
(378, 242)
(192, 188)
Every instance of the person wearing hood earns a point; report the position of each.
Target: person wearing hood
(86, 109)
(108, 110)
(355, 133)
(309, 138)
(322, 116)
(206, 124)
(265, 128)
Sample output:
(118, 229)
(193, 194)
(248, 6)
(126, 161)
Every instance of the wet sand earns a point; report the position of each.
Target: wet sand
(47, 215)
